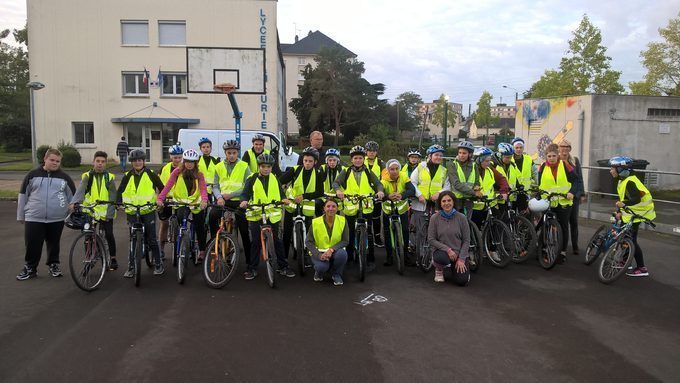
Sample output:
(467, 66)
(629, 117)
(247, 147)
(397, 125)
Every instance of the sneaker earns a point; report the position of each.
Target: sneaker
(562, 257)
(439, 276)
(55, 271)
(638, 272)
(129, 273)
(27, 273)
(370, 267)
(378, 242)
(159, 269)
(389, 261)
(318, 277)
(250, 275)
(114, 264)
(337, 280)
(287, 272)
(494, 256)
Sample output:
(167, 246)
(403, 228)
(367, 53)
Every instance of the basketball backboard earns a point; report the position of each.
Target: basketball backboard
(243, 67)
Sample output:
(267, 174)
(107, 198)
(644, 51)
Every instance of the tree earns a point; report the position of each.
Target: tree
(483, 118)
(585, 69)
(438, 115)
(406, 114)
(15, 122)
(662, 60)
(334, 96)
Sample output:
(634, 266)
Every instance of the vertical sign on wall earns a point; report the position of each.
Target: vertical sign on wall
(263, 45)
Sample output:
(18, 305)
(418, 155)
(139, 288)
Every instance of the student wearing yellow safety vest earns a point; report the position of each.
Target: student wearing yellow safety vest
(464, 178)
(175, 152)
(98, 185)
(355, 180)
(331, 169)
(188, 185)
(230, 176)
(375, 165)
(264, 188)
(251, 155)
(634, 195)
(557, 176)
(413, 159)
(326, 241)
(139, 187)
(207, 163)
(502, 162)
(305, 185)
(580, 196)
(525, 164)
(398, 190)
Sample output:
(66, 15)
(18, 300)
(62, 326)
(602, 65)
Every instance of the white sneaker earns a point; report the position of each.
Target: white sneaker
(494, 255)
(439, 275)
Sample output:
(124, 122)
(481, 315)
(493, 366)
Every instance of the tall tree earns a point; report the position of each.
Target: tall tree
(585, 69)
(405, 114)
(15, 123)
(483, 118)
(438, 115)
(662, 60)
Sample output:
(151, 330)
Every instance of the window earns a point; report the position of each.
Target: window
(172, 33)
(83, 132)
(134, 32)
(654, 112)
(133, 84)
(174, 84)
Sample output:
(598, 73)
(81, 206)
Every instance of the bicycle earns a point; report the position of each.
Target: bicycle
(549, 233)
(185, 247)
(424, 255)
(396, 236)
(222, 257)
(299, 237)
(267, 249)
(620, 254)
(138, 245)
(496, 234)
(96, 258)
(601, 240)
(526, 239)
(475, 248)
(361, 232)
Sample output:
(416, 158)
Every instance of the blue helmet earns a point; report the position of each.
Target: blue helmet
(481, 153)
(436, 148)
(175, 150)
(517, 139)
(204, 140)
(332, 152)
(505, 149)
(621, 162)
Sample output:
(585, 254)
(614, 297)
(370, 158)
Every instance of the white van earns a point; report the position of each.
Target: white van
(189, 138)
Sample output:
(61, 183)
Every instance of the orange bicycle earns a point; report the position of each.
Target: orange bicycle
(221, 262)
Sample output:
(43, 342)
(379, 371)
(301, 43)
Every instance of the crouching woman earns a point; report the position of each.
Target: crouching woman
(449, 237)
(327, 239)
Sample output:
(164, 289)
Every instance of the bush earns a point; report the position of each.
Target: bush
(40, 152)
(70, 155)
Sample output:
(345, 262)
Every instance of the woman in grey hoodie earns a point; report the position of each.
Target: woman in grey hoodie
(449, 237)
(42, 207)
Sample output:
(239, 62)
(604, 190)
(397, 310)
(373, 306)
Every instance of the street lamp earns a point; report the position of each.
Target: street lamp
(446, 116)
(507, 87)
(33, 86)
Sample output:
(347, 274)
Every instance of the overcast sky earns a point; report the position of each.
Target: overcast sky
(461, 47)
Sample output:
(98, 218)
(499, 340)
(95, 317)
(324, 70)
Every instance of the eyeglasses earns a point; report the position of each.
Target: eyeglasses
(564, 146)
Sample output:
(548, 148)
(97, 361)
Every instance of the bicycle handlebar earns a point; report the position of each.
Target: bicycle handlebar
(635, 215)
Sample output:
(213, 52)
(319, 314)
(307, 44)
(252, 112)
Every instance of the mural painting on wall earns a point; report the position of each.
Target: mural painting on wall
(535, 116)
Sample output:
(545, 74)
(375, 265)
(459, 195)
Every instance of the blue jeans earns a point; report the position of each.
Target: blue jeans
(123, 163)
(336, 264)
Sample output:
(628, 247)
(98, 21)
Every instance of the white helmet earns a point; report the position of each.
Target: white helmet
(538, 206)
(190, 155)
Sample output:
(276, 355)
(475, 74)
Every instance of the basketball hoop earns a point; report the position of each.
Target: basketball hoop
(225, 88)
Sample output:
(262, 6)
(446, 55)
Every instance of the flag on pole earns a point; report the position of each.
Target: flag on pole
(145, 78)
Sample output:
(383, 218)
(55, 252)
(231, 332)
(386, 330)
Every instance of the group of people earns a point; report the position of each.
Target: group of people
(319, 187)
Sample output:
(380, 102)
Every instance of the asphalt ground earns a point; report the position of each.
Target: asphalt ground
(515, 324)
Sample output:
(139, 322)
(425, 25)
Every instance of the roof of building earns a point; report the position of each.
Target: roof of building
(312, 44)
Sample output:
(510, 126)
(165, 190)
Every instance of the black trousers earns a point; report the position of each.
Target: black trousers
(563, 213)
(255, 246)
(149, 222)
(35, 235)
(288, 231)
(639, 259)
(573, 224)
(241, 224)
(351, 220)
(441, 260)
(199, 224)
(108, 234)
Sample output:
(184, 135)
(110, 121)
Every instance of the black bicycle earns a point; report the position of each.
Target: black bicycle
(361, 231)
(475, 248)
(89, 257)
(299, 237)
(498, 243)
(424, 254)
(523, 231)
(138, 246)
(549, 233)
(396, 235)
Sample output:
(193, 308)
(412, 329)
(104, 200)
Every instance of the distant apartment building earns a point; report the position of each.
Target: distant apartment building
(503, 111)
(436, 132)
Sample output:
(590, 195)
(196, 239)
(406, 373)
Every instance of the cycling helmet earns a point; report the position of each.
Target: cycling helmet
(266, 159)
(436, 148)
(204, 140)
(620, 162)
(76, 220)
(137, 154)
(190, 155)
(372, 146)
(258, 137)
(505, 149)
(481, 153)
(414, 152)
(517, 139)
(332, 152)
(538, 206)
(311, 151)
(498, 158)
(357, 151)
(466, 145)
(175, 150)
(231, 144)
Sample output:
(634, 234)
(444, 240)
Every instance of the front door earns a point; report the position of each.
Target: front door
(139, 137)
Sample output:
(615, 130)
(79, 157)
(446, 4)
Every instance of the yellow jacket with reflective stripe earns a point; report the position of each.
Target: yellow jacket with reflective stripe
(273, 194)
(98, 192)
(252, 159)
(363, 188)
(471, 179)
(397, 186)
(166, 170)
(327, 187)
(139, 195)
(646, 206)
(556, 185)
(180, 193)
(297, 188)
(375, 168)
(230, 182)
(430, 185)
(321, 239)
(525, 175)
(512, 178)
(486, 187)
(208, 172)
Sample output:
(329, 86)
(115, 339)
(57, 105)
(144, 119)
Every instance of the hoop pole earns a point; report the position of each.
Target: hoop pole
(237, 119)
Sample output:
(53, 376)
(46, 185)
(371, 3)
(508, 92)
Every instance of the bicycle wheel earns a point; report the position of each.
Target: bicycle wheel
(87, 261)
(221, 262)
(595, 245)
(269, 254)
(616, 260)
(299, 248)
(398, 248)
(173, 231)
(475, 249)
(498, 243)
(526, 239)
(361, 252)
(147, 257)
(137, 254)
(549, 244)
(183, 259)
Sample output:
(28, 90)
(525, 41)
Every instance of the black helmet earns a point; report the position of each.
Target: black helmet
(76, 220)
(311, 151)
(266, 159)
(372, 146)
(137, 154)
(231, 144)
(357, 150)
